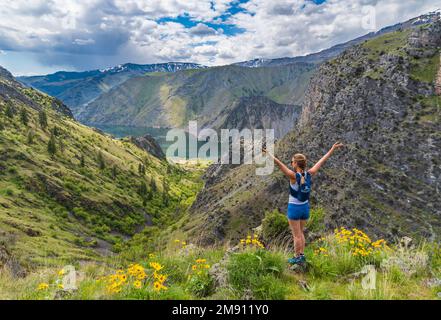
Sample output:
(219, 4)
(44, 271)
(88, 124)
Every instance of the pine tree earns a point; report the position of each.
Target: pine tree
(82, 161)
(9, 110)
(142, 189)
(114, 171)
(141, 169)
(101, 163)
(165, 195)
(24, 116)
(30, 137)
(153, 185)
(42, 119)
(52, 145)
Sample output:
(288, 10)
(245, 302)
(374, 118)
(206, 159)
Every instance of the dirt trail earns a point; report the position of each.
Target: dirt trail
(438, 80)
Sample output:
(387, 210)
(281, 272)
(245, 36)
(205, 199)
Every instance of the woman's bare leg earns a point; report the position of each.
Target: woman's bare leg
(296, 235)
(302, 231)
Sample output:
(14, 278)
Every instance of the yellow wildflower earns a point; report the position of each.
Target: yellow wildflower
(42, 286)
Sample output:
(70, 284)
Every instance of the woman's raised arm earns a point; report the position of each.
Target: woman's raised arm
(317, 166)
(289, 173)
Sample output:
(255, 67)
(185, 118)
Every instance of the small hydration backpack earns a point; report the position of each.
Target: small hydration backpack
(302, 194)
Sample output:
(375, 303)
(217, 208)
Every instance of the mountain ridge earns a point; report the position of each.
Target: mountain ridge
(79, 88)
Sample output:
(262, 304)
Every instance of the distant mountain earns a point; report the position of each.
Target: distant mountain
(258, 113)
(205, 95)
(76, 89)
(334, 51)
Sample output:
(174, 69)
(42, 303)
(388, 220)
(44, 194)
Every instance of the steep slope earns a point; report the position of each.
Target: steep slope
(171, 100)
(378, 98)
(258, 113)
(69, 193)
(76, 89)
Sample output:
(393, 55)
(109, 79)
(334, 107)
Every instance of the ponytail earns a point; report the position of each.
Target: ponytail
(300, 160)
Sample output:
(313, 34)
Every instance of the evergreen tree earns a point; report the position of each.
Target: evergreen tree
(82, 161)
(114, 171)
(141, 169)
(56, 131)
(165, 195)
(30, 137)
(101, 163)
(24, 116)
(153, 185)
(142, 189)
(42, 119)
(52, 145)
(9, 110)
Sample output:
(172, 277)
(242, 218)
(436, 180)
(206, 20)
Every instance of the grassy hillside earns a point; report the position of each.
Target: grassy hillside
(171, 100)
(79, 88)
(347, 264)
(69, 193)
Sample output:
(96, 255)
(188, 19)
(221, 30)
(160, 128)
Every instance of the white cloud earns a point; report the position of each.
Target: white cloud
(83, 42)
(107, 32)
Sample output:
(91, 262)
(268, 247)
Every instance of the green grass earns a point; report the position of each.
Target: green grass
(431, 112)
(390, 43)
(333, 272)
(426, 69)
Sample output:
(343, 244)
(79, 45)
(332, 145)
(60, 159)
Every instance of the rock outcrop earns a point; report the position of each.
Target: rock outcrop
(148, 143)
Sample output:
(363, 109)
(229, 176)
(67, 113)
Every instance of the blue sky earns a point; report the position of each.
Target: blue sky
(43, 36)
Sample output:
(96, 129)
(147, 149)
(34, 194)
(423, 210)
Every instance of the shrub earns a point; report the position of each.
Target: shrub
(268, 287)
(275, 227)
(201, 285)
(254, 270)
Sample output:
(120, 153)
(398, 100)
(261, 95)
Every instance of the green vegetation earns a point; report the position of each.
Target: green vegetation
(344, 265)
(426, 69)
(391, 43)
(431, 112)
(275, 228)
(70, 193)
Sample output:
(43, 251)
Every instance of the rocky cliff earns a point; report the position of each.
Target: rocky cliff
(379, 98)
(257, 113)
